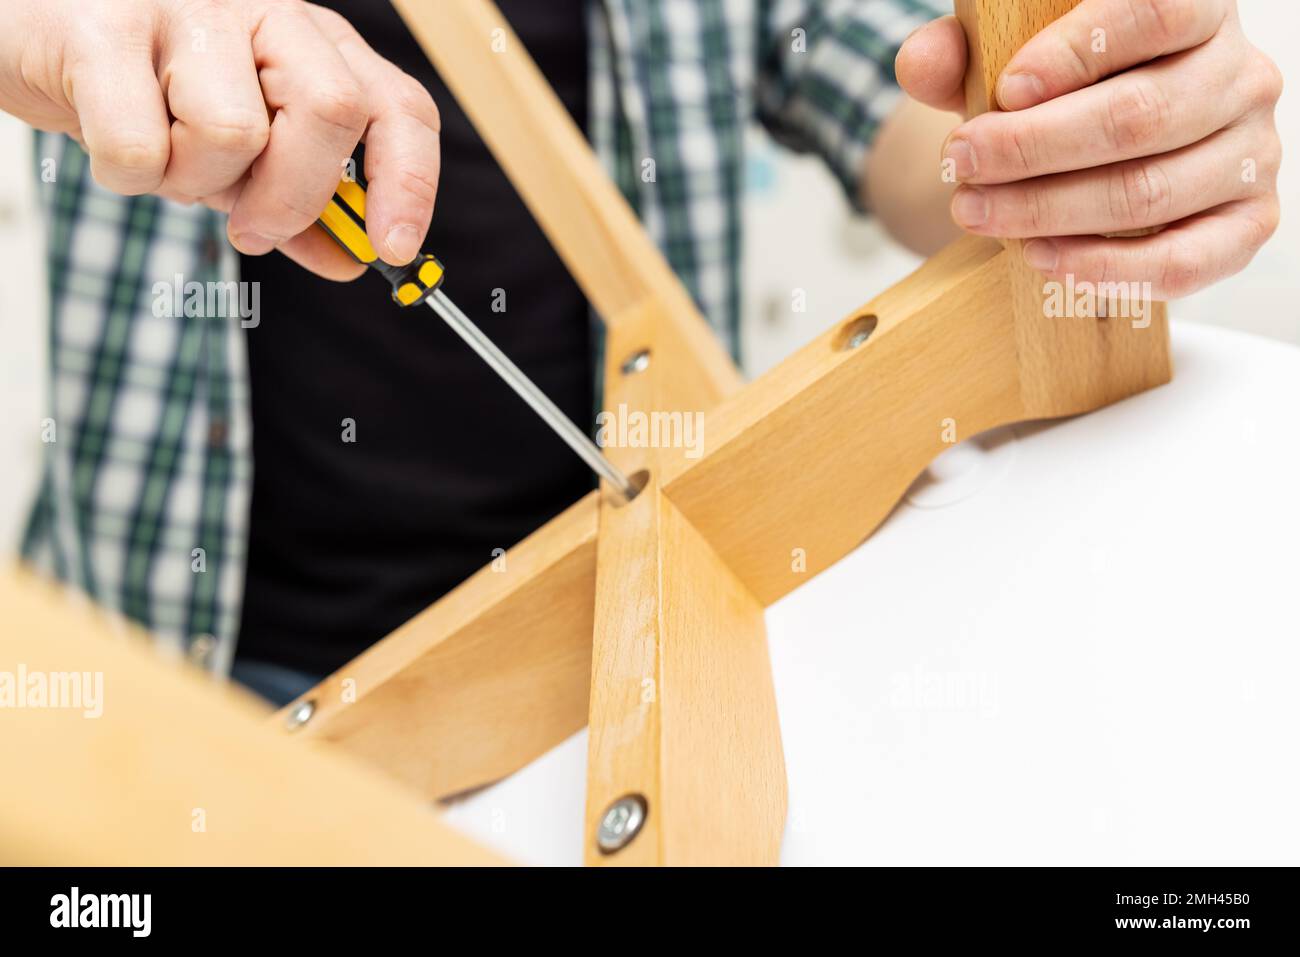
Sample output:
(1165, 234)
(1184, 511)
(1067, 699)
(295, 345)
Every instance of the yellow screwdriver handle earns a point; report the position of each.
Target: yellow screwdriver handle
(344, 219)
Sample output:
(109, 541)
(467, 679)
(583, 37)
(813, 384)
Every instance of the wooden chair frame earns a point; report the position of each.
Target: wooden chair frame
(644, 620)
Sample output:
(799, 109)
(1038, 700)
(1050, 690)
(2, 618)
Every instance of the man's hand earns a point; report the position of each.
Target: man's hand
(251, 107)
(1122, 115)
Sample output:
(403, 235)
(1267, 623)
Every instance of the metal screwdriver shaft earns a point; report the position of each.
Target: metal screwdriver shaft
(514, 377)
(344, 220)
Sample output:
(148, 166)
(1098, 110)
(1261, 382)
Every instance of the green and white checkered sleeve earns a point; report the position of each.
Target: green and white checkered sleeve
(826, 74)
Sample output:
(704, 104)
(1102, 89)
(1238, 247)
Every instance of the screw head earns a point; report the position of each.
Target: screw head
(638, 361)
(856, 332)
(300, 714)
(201, 649)
(621, 823)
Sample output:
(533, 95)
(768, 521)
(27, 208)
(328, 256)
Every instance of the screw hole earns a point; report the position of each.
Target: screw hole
(855, 333)
(638, 481)
(300, 714)
(638, 361)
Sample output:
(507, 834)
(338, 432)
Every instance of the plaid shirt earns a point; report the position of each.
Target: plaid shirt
(144, 498)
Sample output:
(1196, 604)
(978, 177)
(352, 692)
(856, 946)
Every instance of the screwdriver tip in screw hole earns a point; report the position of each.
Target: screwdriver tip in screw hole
(537, 400)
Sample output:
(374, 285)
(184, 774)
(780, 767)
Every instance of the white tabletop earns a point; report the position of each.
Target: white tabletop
(1075, 644)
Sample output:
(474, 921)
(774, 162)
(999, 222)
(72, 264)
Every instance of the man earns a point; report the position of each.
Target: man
(384, 463)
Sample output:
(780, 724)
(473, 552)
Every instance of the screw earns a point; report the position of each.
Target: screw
(201, 649)
(301, 714)
(637, 362)
(621, 823)
(857, 332)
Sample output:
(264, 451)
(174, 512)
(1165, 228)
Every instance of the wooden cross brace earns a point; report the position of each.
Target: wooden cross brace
(644, 620)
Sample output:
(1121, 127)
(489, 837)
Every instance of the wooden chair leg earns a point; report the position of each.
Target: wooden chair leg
(1068, 364)
(683, 725)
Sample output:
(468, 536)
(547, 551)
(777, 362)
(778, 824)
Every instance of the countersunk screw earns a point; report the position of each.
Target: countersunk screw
(622, 822)
(300, 714)
(637, 362)
(857, 332)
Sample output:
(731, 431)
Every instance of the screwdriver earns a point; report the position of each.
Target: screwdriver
(419, 281)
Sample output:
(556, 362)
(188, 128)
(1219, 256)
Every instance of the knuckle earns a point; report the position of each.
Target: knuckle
(1166, 21)
(1094, 265)
(1263, 81)
(283, 217)
(1276, 79)
(129, 152)
(294, 211)
(1075, 62)
(1136, 116)
(1036, 210)
(1016, 148)
(122, 21)
(1179, 271)
(340, 105)
(419, 181)
(1107, 268)
(335, 20)
(1145, 195)
(1263, 223)
(1118, 201)
(412, 98)
(237, 133)
(1269, 159)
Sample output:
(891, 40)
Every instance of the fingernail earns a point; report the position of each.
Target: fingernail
(252, 244)
(403, 242)
(1042, 254)
(962, 157)
(970, 207)
(1020, 91)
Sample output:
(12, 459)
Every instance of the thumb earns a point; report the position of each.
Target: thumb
(931, 65)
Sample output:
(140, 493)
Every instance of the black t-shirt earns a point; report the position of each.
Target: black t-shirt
(349, 539)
